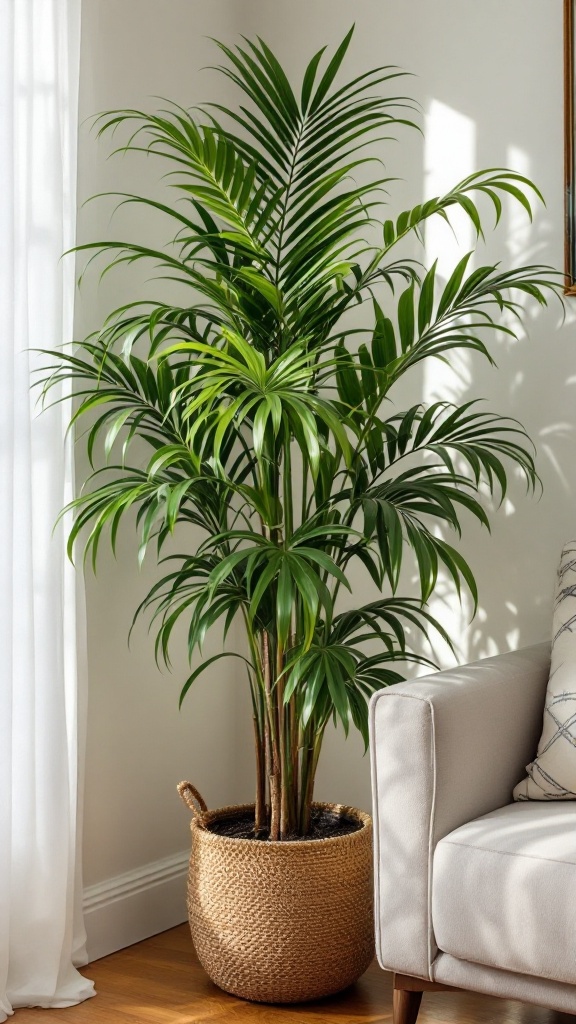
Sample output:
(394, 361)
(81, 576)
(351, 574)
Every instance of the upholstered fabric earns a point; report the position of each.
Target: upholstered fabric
(445, 749)
(476, 978)
(503, 887)
(552, 774)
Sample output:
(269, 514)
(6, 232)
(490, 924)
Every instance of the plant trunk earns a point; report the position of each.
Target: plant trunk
(286, 820)
(274, 775)
(286, 754)
(295, 779)
(260, 803)
(310, 756)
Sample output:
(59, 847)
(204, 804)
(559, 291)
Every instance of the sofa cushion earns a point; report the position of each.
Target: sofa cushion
(552, 773)
(504, 890)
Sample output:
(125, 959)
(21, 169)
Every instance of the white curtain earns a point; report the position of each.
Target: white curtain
(41, 705)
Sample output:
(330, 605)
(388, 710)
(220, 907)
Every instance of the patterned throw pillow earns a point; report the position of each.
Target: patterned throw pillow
(552, 774)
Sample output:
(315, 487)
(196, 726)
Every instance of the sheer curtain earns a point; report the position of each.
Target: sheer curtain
(41, 932)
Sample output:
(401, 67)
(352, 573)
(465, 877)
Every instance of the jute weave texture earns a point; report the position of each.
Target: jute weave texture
(281, 922)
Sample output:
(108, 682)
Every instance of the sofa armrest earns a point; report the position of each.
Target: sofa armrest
(444, 749)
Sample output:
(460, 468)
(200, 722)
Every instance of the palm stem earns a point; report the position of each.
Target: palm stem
(260, 803)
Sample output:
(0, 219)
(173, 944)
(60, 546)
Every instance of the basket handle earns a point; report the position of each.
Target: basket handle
(192, 798)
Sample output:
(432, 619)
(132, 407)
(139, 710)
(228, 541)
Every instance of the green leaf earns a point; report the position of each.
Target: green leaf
(406, 318)
(206, 664)
(284, 603)
(426, 300)
(457, 565)
(346, 380)
(453, 285)
(337, 690)
(308, 80)
(331, 72)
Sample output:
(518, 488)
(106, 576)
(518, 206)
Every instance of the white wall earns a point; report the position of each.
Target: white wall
(489, 78)
(139, 744)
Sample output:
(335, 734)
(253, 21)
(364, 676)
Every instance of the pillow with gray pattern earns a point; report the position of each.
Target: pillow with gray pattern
(552, 774)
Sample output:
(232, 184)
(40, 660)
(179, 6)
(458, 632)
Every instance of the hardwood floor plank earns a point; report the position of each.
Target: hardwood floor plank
(159, 981)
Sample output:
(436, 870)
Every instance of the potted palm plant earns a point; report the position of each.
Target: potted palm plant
(265, 401)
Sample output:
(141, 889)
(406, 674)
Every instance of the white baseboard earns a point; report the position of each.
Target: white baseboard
(130, 907)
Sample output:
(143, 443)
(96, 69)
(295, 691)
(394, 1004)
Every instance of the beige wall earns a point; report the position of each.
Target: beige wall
(139, 744)
(488, 76)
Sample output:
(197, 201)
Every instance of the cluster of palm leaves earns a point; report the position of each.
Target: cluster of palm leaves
(269, 421)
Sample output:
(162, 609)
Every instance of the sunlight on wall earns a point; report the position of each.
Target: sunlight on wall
(526, 246)
(449, 156)
(548, 437)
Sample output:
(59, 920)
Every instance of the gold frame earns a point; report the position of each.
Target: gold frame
(569, 143)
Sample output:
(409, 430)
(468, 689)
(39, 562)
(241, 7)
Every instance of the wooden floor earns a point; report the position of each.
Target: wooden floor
(159, 981)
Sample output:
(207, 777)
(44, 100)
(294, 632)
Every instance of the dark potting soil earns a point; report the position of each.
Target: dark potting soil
(323, 825)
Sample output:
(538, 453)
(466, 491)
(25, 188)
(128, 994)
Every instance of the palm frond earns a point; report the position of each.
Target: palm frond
(257, 418)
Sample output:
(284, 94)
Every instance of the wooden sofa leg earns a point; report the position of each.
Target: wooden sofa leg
(406, 1005)
(408, 996)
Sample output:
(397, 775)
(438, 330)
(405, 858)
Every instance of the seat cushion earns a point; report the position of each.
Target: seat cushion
(504, 890)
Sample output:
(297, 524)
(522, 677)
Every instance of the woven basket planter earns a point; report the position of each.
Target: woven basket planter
(280, 922)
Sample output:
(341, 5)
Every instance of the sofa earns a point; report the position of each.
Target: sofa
(472, 890)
